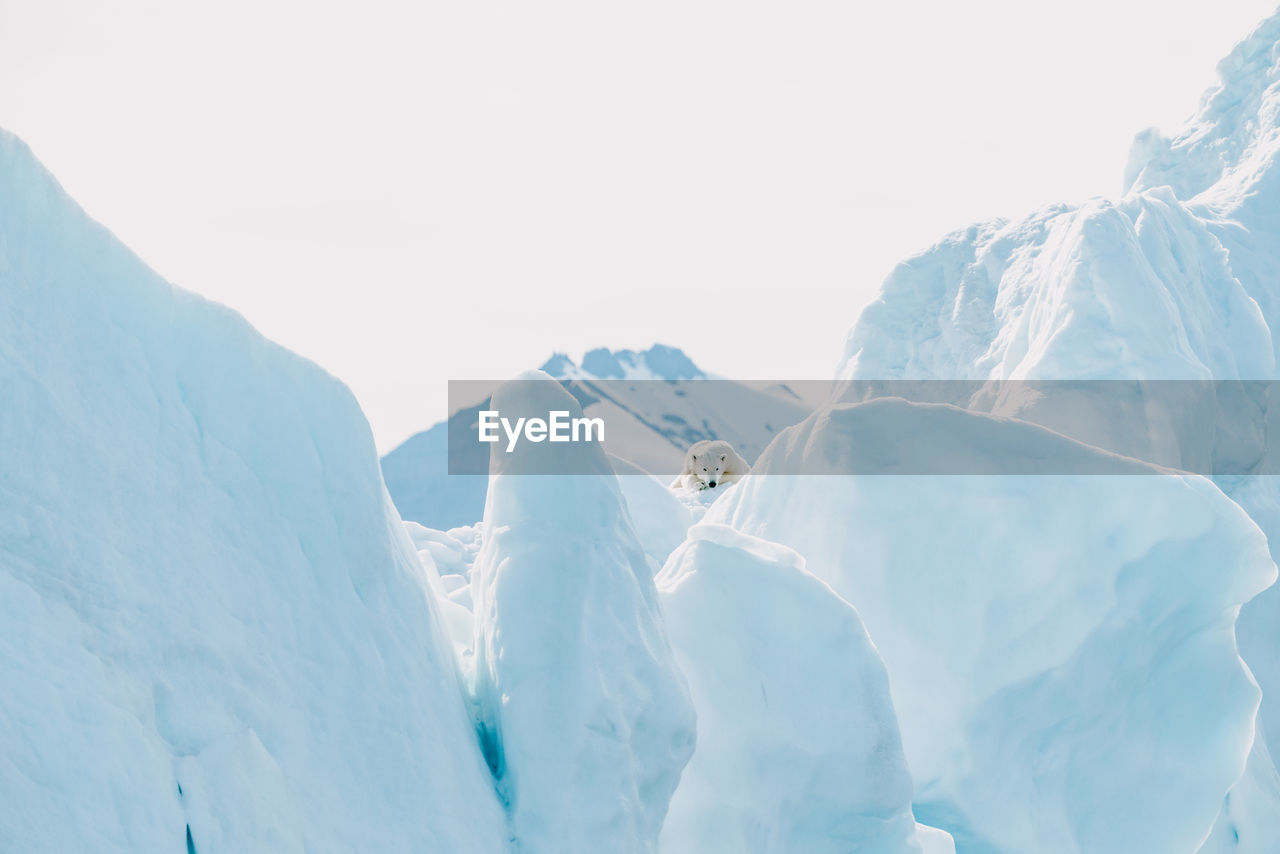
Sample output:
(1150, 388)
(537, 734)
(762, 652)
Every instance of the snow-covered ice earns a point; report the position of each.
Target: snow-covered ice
(660, 518)
(585, 714)
(210, 616)
(1060, 649)
(1176, 280)
(217, 635)
(798, 746)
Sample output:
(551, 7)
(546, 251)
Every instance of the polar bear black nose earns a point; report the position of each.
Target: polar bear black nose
(712, 484)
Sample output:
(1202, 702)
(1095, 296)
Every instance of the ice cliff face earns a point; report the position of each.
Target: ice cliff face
(1176, 280)
(1179, 279)
(1060, 649)
(1139, 288)
(798, 746)
(214, 634)
(586, 716)
(1228, 150)
(1224, 164)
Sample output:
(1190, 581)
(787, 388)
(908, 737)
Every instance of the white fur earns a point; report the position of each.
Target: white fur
(710, 464)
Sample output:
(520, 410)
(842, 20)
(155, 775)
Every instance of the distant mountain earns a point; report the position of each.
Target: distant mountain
(659, 362)
(643, 395)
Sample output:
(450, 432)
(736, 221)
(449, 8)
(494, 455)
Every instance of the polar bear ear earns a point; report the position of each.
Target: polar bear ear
(723, 457)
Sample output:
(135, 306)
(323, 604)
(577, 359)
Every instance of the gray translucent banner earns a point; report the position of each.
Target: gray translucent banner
(930, 427)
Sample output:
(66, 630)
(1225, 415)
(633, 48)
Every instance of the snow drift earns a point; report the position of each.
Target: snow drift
(214, 634)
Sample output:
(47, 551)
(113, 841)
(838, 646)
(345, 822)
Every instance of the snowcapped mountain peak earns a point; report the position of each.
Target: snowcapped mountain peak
(659, 362)
(1232, 143)
(559, 366)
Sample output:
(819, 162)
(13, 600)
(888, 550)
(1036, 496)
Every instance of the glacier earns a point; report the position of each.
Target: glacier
(585, 715)
(215, 634)
(1174, 280)
(799, 747)
(1060, 649)
(588, 671)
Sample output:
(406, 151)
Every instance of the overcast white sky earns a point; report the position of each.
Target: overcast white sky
(412, 192)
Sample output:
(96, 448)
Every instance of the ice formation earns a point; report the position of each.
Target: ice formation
(1060, 649)
(1176, 280)
(585, 715)
(798, 746)
(215, 635)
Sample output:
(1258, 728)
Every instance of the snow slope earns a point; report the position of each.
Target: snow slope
(1060, 649)
(586, 717)
(214, 634)
(651, 414)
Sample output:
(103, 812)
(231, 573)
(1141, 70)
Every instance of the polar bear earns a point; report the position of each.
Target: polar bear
(711, 463)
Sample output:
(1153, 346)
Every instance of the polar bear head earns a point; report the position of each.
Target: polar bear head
(709, 468)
